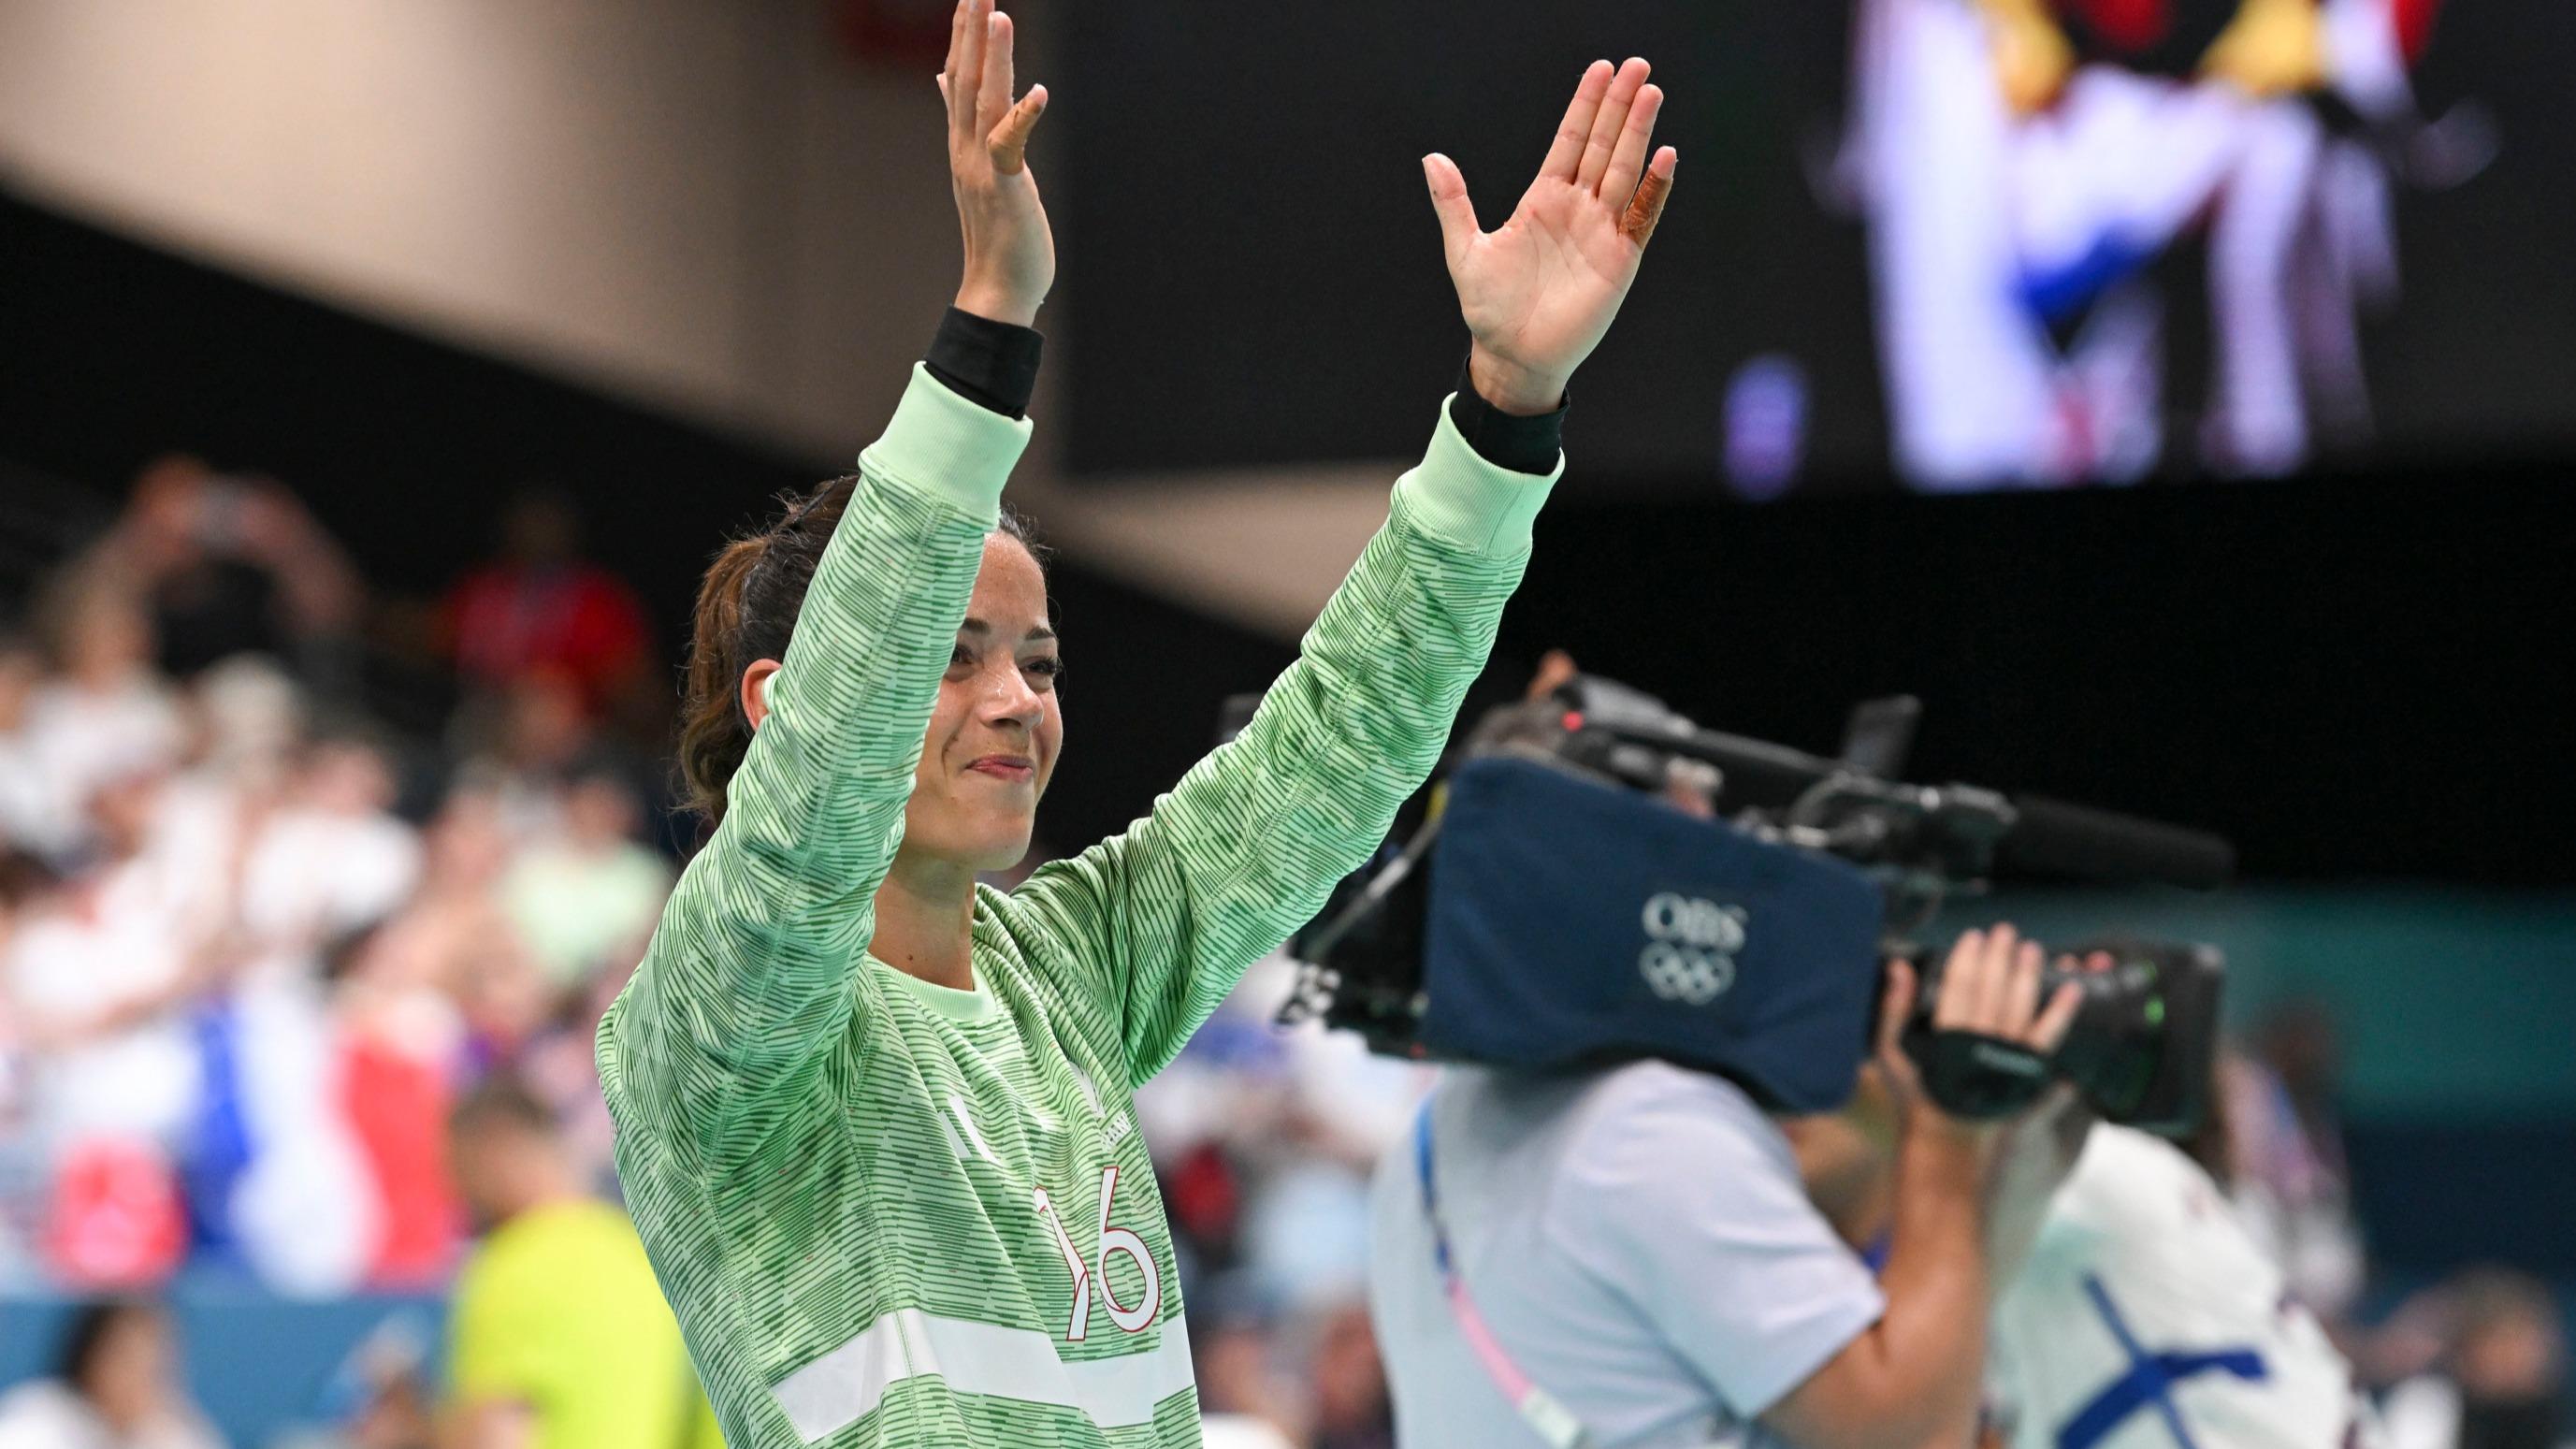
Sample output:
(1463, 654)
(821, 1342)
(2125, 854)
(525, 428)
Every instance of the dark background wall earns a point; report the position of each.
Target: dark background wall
(2352, 676)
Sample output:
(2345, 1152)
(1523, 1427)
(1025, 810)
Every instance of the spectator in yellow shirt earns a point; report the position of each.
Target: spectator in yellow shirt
(560, 1338)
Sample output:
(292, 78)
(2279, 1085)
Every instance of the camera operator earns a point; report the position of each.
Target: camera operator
(1630, 1258)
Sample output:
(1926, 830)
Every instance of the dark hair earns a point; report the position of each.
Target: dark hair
(501, 1099)
(747, 607)
(85, 1338)
(2212, 1144)
(343, 953)
(23, 877)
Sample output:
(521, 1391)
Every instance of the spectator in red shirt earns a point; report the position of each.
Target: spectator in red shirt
(540, 608)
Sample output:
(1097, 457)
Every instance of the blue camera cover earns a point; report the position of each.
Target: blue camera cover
(1573, 923)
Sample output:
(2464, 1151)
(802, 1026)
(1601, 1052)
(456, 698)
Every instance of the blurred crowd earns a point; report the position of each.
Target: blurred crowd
(257, 950)
(252, 943)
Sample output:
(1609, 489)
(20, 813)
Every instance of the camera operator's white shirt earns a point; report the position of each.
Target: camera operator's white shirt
(2145, 1303)
(1638, 1242)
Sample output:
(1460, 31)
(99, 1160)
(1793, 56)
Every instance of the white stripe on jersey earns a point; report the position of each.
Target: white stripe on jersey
(979, 1358)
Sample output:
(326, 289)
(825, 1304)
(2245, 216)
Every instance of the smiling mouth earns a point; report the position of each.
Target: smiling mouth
(1017, 769)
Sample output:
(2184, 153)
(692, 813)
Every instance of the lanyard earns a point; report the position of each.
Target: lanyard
(1538, 1408)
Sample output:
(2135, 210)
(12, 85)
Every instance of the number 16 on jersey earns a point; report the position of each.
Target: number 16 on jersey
(1113, 1241)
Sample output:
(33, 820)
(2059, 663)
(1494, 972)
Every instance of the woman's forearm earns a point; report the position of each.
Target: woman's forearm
(1246, 847)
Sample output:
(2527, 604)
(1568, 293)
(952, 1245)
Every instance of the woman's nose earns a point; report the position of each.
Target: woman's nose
(1010, 697)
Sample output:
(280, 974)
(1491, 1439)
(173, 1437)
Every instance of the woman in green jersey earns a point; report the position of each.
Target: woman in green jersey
(874, 1119)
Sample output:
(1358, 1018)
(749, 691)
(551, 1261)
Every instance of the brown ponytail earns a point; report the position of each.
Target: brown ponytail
(713, 732)
(746, 611)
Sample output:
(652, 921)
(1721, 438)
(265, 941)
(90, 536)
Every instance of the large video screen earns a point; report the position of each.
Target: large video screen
(1935, 244)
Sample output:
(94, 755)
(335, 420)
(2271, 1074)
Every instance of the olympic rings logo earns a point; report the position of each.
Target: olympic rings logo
(1690, 948)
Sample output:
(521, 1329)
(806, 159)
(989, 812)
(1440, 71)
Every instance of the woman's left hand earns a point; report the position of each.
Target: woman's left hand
(1538, 293)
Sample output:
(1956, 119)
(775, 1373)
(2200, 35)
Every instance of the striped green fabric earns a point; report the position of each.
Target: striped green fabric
(889, 1213)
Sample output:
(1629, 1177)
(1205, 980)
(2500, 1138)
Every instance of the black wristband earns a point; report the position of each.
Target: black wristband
(1521, 445)
(988, 363)
(1976, 1077)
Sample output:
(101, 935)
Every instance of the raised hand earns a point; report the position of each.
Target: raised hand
(1010, 253)
(1538, 294)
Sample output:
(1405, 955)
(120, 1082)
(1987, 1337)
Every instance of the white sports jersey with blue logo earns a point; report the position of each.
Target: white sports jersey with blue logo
(2146, 1318)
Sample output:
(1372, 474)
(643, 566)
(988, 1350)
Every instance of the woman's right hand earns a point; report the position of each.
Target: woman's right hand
(1010, 254)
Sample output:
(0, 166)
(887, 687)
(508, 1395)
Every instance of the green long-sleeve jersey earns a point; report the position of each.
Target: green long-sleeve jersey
(893, 1213)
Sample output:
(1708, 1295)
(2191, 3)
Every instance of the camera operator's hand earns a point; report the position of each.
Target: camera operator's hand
(1989, 997)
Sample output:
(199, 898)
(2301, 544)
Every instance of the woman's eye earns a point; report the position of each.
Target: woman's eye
(958, 658)
(1049, 669)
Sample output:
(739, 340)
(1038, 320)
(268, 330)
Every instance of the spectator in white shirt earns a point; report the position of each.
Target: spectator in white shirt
(105, 715)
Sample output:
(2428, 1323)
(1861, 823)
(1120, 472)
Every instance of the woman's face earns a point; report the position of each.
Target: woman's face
(996, 730)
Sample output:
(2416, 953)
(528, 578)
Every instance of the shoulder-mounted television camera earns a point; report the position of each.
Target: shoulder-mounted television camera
(1596, 879)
